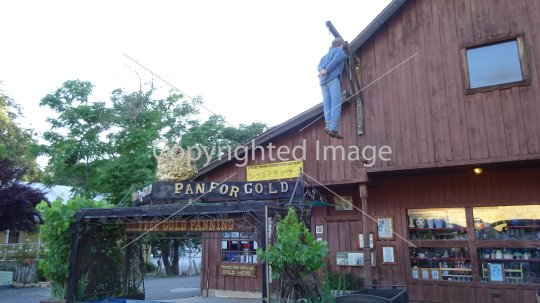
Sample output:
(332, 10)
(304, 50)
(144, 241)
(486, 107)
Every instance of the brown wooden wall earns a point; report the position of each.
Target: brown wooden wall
(211, 278)
(421, 109)
(325, 171)
(393, 196)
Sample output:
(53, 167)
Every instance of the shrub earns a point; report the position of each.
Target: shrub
(56, 232)
(345, 281)
(295, 254)
(149, 267)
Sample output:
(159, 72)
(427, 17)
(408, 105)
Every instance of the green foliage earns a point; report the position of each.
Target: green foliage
(101, 149)
(24, 255)
(17, 163)
(58, 291)
(344, 281)
(16, 143)
(81, 288)
(149, 267)
(215, 134)
(41, 275)
(295, 246)
(56, 232)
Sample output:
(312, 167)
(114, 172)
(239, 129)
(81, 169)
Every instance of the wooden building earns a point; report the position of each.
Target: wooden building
(468, 98)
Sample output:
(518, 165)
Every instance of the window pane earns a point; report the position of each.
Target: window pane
(13, 237)
(510, 265)
(494, 64)
(507, 222)
(437, 224)
(441, 263)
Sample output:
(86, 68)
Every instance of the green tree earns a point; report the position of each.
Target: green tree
(295, 254)
(17, 143)
(106, 147)
(108, 150)
(56, 232)
(214, 135)
(75, 147)
(100, 149)
(140, 121)
(17, 164)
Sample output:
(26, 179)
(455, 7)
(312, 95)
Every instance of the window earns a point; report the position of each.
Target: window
(13, 237)
(504, 241)
(441, 263)
(507, 222)
(437, 224)
(238, 249)
(495, 64)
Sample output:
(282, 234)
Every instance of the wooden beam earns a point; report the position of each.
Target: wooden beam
(365, 232)
(75, 235)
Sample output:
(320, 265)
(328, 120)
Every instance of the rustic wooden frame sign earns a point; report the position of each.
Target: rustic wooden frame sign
(343, 203)
(385, 228)
(388, 256)
(353, 258)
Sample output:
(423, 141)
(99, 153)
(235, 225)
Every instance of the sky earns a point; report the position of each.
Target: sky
(249, 60)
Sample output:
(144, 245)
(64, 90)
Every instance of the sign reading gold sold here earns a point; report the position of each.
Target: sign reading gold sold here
(274, 171)
(210, 224)
(247, 271)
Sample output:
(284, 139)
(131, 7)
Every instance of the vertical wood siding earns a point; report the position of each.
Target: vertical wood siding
(393, 196)
(421, 110)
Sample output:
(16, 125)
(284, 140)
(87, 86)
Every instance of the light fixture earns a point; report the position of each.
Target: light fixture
(477, 170)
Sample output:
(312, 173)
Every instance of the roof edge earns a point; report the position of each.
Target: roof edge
(287, 126)
(310, 114)
(376, 24)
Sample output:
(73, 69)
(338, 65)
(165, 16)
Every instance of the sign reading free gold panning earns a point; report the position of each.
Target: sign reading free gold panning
(209, 224)
(274, 171)
(238, 270)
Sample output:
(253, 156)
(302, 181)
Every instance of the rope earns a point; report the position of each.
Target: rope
(360, 210)
(162, 221)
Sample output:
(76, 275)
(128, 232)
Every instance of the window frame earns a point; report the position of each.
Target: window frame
(473, 244)
(252, 250)
(522, 58)
(14, 235)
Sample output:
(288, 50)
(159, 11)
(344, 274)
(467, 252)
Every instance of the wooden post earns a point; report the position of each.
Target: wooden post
(70, 291)
(264, 266)
(365, 234)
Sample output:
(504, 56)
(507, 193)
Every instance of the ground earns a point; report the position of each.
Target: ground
(170, 289)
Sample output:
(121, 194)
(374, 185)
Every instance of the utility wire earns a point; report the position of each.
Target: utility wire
(362, 89)
(171, 85)
(360, 210)
(173, 214)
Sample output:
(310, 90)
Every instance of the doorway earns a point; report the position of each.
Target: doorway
(173, 263)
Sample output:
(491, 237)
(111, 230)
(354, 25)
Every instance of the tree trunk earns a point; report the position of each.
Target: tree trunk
(165, 254)
(170, 263)
(175, 258)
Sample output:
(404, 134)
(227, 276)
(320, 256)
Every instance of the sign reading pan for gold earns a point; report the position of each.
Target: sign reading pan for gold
(247, 271)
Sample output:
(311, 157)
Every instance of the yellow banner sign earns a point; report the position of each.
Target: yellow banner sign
(238, 270)
(274, 171)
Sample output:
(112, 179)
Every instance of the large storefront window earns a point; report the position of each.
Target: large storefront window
(507, 222)
(441, 263)
(506, 242)
(236, 247)
(515, 230)
(437, 224)
(510, 265)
